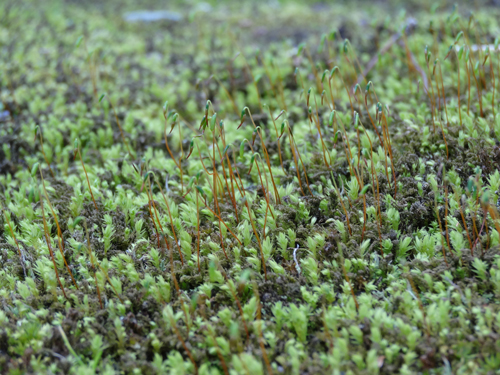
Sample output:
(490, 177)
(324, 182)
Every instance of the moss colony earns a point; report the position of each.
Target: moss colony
(249, 189)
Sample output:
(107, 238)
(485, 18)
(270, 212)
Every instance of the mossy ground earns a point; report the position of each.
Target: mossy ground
(355, 232)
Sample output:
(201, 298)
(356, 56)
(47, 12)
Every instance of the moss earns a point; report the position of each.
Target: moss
(385, 258)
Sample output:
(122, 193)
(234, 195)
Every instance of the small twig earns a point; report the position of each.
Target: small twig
(416, 66)
(395, 38)
(373, 61)
(297, 267)
(475, 48)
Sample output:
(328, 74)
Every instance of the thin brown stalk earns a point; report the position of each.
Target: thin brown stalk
(375, 178)
(258, 240)
(342, 204)
(295, 161)
(266, 154)
(458, 90)
(92, 262)
(45, 156)
(186, 349)
(346, 276)
(87, 177)
(444, 96)
(446, 215)
(464, 222)
(47, 240)
(468, 85)
(479, 91)
(120, 127)
(152, 218)
(277, 136)
(198, 228)
(59, 232)
(170, 217)
(261, 337)
(440, 230)
(217, 347)
(159, 222)
(389, 148)
(420, 304)
(236, 299)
